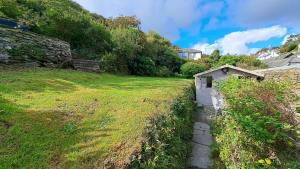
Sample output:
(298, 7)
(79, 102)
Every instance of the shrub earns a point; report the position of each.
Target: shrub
(164, 72)
(143, 66)
(257, 124)
(27, 51)
(288, 47)
(189, 69)
(167, 140)
(109, 63)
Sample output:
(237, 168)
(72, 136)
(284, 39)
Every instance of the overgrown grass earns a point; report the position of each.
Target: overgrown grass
(258, 128)
(69, 119)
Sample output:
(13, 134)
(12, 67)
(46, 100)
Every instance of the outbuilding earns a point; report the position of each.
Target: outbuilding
(206, 95)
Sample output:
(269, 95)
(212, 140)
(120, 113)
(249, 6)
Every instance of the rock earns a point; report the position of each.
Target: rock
(27, 47)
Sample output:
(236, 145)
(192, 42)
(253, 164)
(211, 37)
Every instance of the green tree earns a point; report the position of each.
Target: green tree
(215, 56)
(162, 52)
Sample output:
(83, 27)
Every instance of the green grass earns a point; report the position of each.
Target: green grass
(69, 119)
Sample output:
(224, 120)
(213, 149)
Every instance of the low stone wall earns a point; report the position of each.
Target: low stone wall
(86, 65)
(18, 47)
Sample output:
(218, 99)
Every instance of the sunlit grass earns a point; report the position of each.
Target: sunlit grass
(69, 119)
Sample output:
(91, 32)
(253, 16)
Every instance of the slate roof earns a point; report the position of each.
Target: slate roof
(283, 60)
(230, 67)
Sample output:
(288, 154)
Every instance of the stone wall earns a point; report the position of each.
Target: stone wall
(18, 47)
(291, 74)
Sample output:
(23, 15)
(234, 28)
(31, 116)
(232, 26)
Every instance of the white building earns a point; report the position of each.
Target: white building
(271, 53)
(191, 54)
(206, 95)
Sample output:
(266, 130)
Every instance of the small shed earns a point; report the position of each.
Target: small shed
(206, 95)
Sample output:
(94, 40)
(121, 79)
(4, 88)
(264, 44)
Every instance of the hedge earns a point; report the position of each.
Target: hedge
(167, 144)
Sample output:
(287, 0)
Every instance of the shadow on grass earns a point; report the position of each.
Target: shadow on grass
(38, 139)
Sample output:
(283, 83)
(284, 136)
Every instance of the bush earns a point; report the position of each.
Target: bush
(27, 51)
(143, 66)
(257, 126)
(189, 69)
(288, 47)
(109, 63)
(164, 72)
(167, 143)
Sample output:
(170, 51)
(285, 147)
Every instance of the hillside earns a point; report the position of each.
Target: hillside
(119, 43)
(76, 119)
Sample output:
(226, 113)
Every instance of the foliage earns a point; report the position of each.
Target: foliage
(109, 63)
(56, 118)
(257, 125)
(167, 140)
(288, 47)
(251, 63)
(143, 66)
(164, 72)
(215, 56)
(92, 36)
(189, 69)
(9, 9)
(123, 22)
(243, 61)
(26, 51)
(291, 43)
(65, 20)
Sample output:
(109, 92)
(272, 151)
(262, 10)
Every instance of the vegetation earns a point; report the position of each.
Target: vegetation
(189, 69)
(118, 42)
(216, 60)
(291, 44)
(167, 144)
(27, 51)
(82, 120)
(258, 128)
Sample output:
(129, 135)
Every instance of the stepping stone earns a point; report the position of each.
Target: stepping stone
(202, 137)
(200, 156)
(201, 126)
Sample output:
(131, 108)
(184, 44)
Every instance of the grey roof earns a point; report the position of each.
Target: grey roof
(231, 67)
(189, 51)
(283, 60)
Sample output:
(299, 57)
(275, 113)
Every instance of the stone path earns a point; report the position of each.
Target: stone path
(202, 139)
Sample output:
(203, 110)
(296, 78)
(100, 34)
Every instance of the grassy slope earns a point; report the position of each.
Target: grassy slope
(69, 119)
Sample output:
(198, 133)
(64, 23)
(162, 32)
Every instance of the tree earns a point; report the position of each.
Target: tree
(162, 52)
(215, 55)
(128, 45)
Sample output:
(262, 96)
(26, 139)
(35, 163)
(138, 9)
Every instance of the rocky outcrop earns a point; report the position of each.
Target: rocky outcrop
(18, 47)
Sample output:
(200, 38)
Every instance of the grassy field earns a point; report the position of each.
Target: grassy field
(69, 119)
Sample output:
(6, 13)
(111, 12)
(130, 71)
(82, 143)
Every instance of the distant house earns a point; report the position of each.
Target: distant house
(206, 95)
(270, 53)
(289, 59)
(190, 54)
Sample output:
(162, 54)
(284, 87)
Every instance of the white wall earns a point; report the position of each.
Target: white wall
(210, 96)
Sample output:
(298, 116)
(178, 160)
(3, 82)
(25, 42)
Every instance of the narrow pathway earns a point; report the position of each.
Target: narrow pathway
(202, 139)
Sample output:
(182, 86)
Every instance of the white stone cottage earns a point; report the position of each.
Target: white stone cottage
(206, 95)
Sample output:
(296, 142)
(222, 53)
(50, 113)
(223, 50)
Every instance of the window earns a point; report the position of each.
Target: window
(209, 81)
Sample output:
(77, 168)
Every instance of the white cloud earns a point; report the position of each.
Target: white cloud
(236, 42)
(167, 17)
(265, 12)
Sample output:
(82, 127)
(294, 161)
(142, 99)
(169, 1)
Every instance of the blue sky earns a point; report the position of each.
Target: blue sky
(233, 26)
